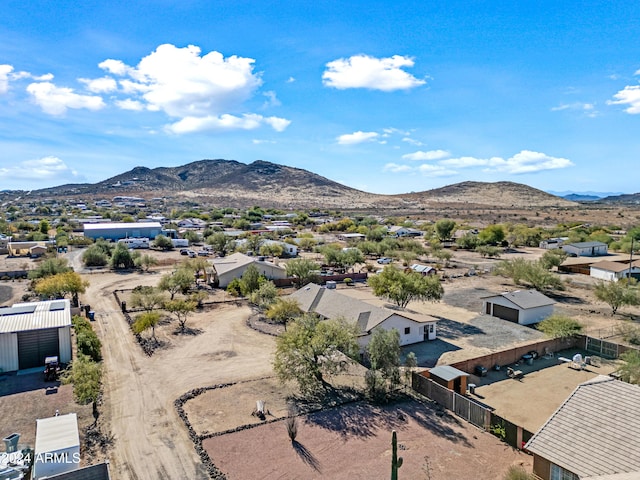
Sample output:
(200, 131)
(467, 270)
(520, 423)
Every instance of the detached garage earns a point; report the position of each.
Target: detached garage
(521, 306)
(30, 332)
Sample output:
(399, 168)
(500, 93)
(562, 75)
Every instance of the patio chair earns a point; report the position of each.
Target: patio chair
(548, 353)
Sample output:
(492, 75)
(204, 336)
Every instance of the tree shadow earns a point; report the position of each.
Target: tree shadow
(307, 457)
(362, 419)
(188, 331)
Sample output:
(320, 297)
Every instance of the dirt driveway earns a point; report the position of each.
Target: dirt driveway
(150, 442)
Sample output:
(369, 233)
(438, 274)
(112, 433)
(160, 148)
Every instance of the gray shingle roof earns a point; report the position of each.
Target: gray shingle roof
(525, 298)
(331, 304)
(596, 431)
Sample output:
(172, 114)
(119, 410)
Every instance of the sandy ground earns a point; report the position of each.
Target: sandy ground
(529, 402)
(354, 442)
(150, 441)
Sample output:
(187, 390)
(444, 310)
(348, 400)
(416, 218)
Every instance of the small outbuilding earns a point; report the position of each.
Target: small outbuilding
(449, 377)
(520, 306)
(586, 249)
(30, 332)
(57, 446)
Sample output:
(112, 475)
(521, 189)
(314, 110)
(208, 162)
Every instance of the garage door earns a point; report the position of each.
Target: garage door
(505, 313)
(35, 345)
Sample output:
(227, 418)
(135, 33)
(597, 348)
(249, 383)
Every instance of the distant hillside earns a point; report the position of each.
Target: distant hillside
(631, 198)
(229, 183)
(577, 197)
(499, 194)
(235, 184)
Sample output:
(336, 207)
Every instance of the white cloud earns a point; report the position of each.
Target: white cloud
(630, 96)
(412, 141)
(42, 169)
(128, 104)
(56, 100)
(257, 141)
(291, 80)
(430, 155)
(357, 137)
(116, 67)
(524, 162)
(100, 85)
(363, 71)
(249, 121)
(203, 92)
(396, 168)
(587, 108)
(5, 70)
(272, 100)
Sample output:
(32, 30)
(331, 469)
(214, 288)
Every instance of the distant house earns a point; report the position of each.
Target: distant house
(521, 306)
(613, 271)
(225, 269)
(29, 332)
(350, 236)
(331, 304)
(192, 223)
(595, 434)
(423, 269)
(586, 249)
(399, 231)
(553, 243)
(27, 249)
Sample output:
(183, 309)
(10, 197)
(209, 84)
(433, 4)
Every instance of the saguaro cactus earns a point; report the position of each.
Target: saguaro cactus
(396, 462)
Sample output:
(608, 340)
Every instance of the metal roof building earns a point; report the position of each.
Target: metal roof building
(116, 231)
(57, 446)
(29, 332)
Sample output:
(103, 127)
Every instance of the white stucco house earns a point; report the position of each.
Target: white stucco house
(520, 306)
(586, 249)
(225, 269)
(553, 243)
(329, 304)
(30, 332)
(613, 271)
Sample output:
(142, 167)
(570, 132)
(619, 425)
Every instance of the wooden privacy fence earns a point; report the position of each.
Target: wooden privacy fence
(467, 409)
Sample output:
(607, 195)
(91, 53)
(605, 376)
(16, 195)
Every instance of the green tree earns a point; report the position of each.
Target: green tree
(553, 258)
(468, 241)
(444, 227)
(50, 266)
(61, 285)
(559, 326)
(531, 272)
(265, 295)
(86, 377)
(384, 356)
(302, 270)
(253, 243)
(284, 310)
(488, 251)
(181, 309)
(271, 250)
(163, 242)
(146, 261)
(250, 280)
(616, 294)
(401, 288)
(492, 235)
(122, 259)
(44, 227)
(147, 298)
(221, 243)
(311, 349)
(89, 344)
(146, 320)
(630, 369)
(410, 363)
(94, 256)
(180, 280)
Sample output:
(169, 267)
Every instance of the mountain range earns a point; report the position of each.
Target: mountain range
(232, 183)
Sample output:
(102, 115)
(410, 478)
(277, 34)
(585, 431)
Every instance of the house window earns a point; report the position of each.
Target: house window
(431, 328)
(407, 330)
(559, 473)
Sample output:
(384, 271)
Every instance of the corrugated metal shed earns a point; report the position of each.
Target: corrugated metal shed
(35, 316)
(57, 433)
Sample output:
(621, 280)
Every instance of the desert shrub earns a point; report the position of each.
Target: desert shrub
(89, 344)
(235, 287)
(517, 472)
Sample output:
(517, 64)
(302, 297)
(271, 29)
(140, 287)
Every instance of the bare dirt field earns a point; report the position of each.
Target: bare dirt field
(150, 441)
(354, 442)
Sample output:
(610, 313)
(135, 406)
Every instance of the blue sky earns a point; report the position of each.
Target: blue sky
(388, 97)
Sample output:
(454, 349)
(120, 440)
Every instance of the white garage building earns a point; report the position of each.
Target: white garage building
(520, 306)
(29, 332)
(613, 271)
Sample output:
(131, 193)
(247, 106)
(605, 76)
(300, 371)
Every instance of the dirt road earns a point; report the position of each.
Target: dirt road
(151, 441)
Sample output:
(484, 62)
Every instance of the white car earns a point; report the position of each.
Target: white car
(385, 260)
